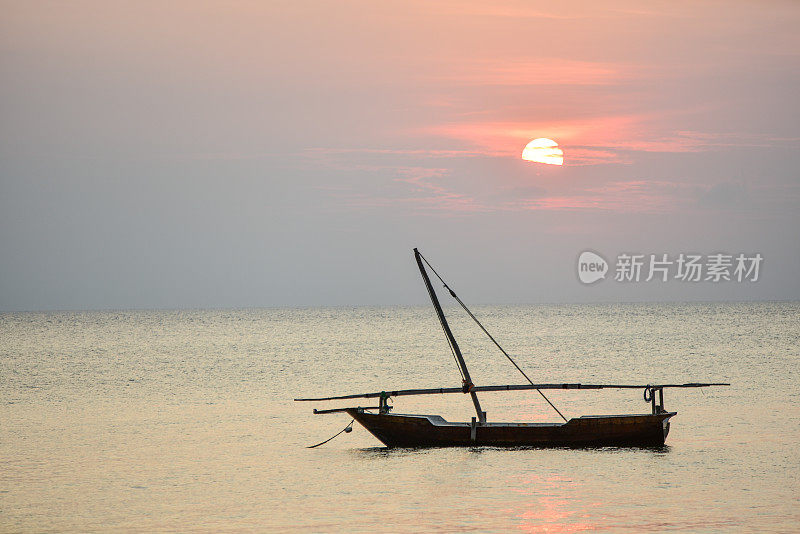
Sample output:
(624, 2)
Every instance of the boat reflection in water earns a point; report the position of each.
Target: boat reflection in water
(410, 430)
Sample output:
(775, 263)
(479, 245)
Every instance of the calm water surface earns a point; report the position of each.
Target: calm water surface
(183, 421)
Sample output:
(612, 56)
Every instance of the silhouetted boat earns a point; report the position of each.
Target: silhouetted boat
(407, 430)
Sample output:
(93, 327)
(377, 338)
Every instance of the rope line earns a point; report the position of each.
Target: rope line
(453, 294)
(348, 428)
(449, 343)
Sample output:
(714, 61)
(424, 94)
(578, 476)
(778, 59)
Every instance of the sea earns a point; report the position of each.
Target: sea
(184, 421)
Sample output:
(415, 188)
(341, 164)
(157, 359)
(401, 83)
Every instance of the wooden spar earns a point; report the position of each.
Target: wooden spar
(512, 387)
(468, 386)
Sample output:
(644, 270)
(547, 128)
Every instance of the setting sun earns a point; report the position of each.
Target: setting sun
(543, 150)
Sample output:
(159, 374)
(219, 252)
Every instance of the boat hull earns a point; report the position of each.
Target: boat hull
(399, 430)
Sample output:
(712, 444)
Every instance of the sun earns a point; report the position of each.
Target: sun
(543, 150)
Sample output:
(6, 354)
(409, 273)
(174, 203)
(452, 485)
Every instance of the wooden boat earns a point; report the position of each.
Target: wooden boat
(409, 430)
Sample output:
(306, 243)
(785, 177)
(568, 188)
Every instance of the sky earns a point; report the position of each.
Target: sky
(260, 154)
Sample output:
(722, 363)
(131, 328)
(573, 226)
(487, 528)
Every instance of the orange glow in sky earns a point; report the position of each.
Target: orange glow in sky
(543, 150)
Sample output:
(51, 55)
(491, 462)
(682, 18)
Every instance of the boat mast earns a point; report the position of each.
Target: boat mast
(452, 340)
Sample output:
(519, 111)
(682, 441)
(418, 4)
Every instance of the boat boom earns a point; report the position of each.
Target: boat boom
(512, 387)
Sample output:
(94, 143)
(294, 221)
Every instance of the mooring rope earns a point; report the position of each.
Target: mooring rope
(348, 428)
(453, 294)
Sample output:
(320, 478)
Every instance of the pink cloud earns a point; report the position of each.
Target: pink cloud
(544, 71)
(425, 192)
(427, 153)
(596, 140)
(634, 196)
(507, 138)
(489, 9)
(694, 141)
